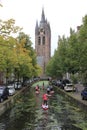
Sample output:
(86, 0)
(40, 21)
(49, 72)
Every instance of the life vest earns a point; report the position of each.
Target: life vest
(36, 88)
(45, 97)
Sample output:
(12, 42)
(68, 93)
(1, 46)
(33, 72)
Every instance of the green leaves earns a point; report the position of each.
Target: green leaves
(8, 27)
(17, 55)
(71, 54)
(29, 67)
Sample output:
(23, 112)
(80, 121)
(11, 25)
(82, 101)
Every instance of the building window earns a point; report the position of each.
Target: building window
(39, 40)
(43, 40)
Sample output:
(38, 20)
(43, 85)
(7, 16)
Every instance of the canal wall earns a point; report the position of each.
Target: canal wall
(10, 102)
(73, 97)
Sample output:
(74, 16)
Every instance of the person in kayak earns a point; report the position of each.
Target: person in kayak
(45, 98)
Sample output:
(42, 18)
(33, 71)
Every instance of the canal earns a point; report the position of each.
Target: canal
(27, 113)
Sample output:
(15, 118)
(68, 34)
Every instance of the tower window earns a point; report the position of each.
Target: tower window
(43, 40)
(39, 40)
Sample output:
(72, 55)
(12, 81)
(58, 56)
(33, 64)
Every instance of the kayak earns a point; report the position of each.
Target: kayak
(45, 107)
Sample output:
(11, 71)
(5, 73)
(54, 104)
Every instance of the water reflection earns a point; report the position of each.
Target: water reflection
(28, 114)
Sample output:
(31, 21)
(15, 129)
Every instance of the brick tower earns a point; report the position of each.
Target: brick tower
(43, 42)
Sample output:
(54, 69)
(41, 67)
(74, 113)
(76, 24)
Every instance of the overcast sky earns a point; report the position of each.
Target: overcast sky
(61, 14)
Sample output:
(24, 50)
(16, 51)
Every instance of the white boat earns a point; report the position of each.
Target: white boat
(45, 107)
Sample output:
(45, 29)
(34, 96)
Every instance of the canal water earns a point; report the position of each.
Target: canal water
(27, 113)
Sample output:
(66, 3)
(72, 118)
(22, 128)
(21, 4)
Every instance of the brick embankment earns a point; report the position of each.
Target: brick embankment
(77, 94)
(75, 97)
(9, 103)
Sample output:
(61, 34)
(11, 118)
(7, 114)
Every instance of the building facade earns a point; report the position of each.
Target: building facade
(43, 42)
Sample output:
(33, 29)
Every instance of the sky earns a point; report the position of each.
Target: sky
(61, 14)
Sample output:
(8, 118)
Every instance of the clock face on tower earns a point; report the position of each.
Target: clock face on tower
(42, 31)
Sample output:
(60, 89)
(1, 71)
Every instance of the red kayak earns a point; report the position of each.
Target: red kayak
(45, 107)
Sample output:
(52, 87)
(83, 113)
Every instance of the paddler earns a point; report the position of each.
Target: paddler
(45, 98)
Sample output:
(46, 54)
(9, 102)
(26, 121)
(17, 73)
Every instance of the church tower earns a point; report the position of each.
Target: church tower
(43, 42)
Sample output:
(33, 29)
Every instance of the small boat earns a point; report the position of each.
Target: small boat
(45, 107)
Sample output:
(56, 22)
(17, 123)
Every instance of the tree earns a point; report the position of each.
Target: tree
(7, 28)
(82, 37)
(65, 59)
(7, 43)
(7, 56)
(73, 53)
(36, 70)
(56, 66)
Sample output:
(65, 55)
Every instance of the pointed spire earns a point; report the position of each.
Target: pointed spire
(36, 28)
(43, 15)
(36, 24)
